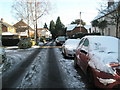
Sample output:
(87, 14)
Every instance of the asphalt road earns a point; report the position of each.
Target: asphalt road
(53, 72)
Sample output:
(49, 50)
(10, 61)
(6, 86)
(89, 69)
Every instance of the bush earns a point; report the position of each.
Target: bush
(24, 44)
(42, 39)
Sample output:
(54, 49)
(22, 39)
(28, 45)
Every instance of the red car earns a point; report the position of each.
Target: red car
(98, 58)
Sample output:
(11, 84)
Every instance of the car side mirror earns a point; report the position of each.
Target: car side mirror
(83, 51)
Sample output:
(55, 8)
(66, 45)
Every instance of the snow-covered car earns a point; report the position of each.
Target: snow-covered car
(99, 58)
(69, 47)
(60, 40)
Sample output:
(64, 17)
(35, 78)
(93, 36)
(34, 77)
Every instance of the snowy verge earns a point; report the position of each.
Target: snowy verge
(73, 79)
(14, 57)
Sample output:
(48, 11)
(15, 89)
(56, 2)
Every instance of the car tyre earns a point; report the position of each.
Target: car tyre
(64, 54)
(90, 77)
(75, 62)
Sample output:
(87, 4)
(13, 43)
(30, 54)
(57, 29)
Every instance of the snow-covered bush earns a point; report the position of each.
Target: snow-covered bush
(24, 44)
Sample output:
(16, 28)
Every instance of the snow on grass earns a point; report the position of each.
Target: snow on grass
(73, 79)
(16, 56)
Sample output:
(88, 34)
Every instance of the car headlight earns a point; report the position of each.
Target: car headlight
(106, 81)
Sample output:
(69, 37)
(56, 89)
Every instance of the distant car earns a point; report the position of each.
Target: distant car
(98, 57)
(69, 47)
(60, 40)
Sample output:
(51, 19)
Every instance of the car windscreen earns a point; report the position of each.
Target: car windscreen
(61, 38)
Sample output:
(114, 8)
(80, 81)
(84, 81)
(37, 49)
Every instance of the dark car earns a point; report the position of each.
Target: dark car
(98, 58)
(60, 40)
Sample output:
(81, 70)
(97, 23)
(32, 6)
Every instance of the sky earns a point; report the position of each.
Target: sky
(68, 10)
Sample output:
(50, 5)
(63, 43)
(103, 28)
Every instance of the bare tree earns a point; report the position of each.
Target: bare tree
(111, 13)
(30, 10)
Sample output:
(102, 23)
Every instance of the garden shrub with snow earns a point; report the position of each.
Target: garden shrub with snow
(24, 44)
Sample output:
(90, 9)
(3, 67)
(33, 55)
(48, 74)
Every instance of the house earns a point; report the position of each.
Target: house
(43, 32)
(7, 27)
(23, 29)
(73, 29)
(113, 28)
(9, 35)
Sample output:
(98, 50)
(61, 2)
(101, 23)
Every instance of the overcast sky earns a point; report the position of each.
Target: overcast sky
(68, 10)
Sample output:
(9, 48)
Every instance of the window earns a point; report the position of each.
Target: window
(86, 42)
(81, 41)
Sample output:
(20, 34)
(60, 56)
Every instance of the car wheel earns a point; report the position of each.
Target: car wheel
(90, 77)
(75, 62)
(64, 54)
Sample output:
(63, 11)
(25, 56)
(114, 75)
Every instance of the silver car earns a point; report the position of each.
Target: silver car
(69, 47)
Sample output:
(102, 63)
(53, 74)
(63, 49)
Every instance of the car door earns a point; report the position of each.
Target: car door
(84, 54)
(78, 52)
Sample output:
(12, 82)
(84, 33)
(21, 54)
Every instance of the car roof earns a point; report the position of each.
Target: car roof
(109, 42)
(93, 38)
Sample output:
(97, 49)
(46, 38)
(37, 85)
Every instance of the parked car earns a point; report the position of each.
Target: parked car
(69, 47)
(60, 40)
(98, 57)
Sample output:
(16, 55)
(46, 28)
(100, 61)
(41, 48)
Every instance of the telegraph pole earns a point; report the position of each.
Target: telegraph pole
(80, 21)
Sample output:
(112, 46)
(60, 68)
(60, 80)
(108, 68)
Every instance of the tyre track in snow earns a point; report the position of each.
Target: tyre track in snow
(52, 75)
(13, 78)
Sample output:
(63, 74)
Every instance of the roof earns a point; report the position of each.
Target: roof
(107, 11)
(97, 38)
(83, 29)
(87, 27)
(8, 33)
(21, 23)
(7, 25)
(71, 27)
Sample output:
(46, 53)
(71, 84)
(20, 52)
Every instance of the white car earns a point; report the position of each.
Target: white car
(69, 47)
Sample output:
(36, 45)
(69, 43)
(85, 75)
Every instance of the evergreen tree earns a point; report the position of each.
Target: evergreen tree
(45, 26)
(59, 28)
(52, 29)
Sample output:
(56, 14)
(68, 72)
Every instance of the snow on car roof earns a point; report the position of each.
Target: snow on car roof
(72, 43)
(108, 43)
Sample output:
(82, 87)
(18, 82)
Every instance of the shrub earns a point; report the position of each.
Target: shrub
(24, 44)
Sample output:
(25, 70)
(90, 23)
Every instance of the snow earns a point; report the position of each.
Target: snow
(71, 44)
(73, 80)
(106, 81)
(16, 56)
(106, 11)
(103, 50)
(71, 27)
(34, 76)
(7, 33)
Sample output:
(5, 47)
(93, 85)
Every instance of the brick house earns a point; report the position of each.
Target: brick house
(22, 29)
(73, 29)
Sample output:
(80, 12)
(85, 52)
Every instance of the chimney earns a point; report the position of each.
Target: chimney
(110, 2)
(2, 20)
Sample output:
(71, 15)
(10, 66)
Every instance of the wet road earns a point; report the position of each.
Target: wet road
(52, 72)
